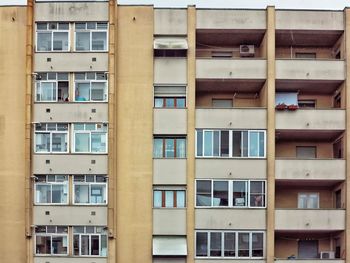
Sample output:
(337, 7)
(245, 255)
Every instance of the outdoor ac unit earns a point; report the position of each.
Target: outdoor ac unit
(246, 50)
(327, 255)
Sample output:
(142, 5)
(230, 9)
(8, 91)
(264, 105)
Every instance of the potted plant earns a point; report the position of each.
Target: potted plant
(293, 107)
(281, 106)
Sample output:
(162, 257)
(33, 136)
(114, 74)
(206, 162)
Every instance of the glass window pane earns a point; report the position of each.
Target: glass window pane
(82, 92)
(84, 246)
(180, 199)
(215, 244)
(44, 41)
(81, 194)
(302, 201)
(48, 91)
(199, 143)
(257, 194)
(95, 245)
(91, 25)
(99, 40)
(257, 244)
(229, 244)
(236, 144)
(59, 194)
(60, 41)
(82, 41)
(82, 142)
(201, 244)
(245, 144)
(98, 91)
(261, 144)
(158, 148)
(102, 25)
(41, 26)
(79, 76)
(59, 142)
(169, 198)
(43, 245)
(75, 245)
(243, 244)
(43, 194)
(180, 103)
(208, 143)
(180, 148)
(158, 102)
(216, 141)
(80, 25)
(63, 26)
(203, 197)
(157, 198)
(90, 75)
(59, 245)
(169, 103)
(169, 148)
(253, 144)
(98, 195)
(239, 192)
(98, 142)
(313, 201)
(224, 144)
(103, 252)
(42, 142)
(220, 193)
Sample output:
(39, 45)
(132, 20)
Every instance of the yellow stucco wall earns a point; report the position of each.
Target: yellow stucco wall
(12, 133)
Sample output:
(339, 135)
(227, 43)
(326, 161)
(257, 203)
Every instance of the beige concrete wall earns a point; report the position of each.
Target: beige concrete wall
(69, 164)
(233, 49)
(230, 168)
(231, 118)
(309, 219)
(310, 69)
(70, 112)
(309, 20)
(333, 119)
(231, 19)
(322, 101)
(69, 260)
(170, 71)
(288, 149)
(134, 133)
(229, 219)
(12, 134)
(70, 11)
(169, 121)
(170, 221)
(169, 171)
(70, 215)
(170, 22)
(77, 62)
(310, 169)
(230, 69)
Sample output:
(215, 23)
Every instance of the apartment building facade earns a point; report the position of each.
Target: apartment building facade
(142, 134)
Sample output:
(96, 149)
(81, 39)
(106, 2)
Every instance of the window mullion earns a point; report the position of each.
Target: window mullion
(250, 244)
(208, 253)
(212, 193)
(248, 193)
(222, 244)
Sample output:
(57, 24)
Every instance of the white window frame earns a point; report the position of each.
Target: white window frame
(230, 194)
(90, 234)
(51, 235)
(51, 184)
(51, 31)
(90, 132)
(51, 132)
(55, 81)
(90, 81)
(230, 144)
(236, 244)
(89, 184)
(90, 37)
(308, 196)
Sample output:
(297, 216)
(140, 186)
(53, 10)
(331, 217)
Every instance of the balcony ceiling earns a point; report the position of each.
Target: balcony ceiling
(228, 86)
(306, 38)
(306, 233)
(308, 86)
(307, 135)
(309, 184)
(228, 38)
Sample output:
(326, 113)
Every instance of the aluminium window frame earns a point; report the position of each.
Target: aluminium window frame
(308, 196)
(55, 81)
(90, 234)
(51, 235)
(90, 81)
(65, 183)
(90, 132)
(90, 36)
(52, 31)
(75, 183)
(51, 132)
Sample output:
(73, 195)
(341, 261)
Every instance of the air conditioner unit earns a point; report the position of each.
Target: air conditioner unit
(246, 50)
(327, 255)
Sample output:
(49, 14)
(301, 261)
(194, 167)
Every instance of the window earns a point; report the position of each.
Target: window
(91, 36)
(52, 87)
(51, 240)
(90, 241)
(169, 198)
(51, 189)
(307, 104)
(90, 138)
(51, 138)
(52, 37)
(222, 103)
(169, 102)
(308, 200)
(90, 189)
(306, 152)
(230, 193)
(90, 86)
(169, 147)
(230, 143)
(230, 244)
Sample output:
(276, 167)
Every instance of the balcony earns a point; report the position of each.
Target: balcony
(59, 259)
(171, 221)
(309, 219)
(70, 112)
(309, 260)
(169, 121)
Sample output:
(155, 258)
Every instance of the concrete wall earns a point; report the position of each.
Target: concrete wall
(321, 53)
(71, 12)
(169, 171)
(231, 19)
(227, 219)
(288, 149)
(169, 121)
(170, 71)
(231, 118)
(170, 22)
(230, 69)
(170, 221)
(12, 133)
(70, 112)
